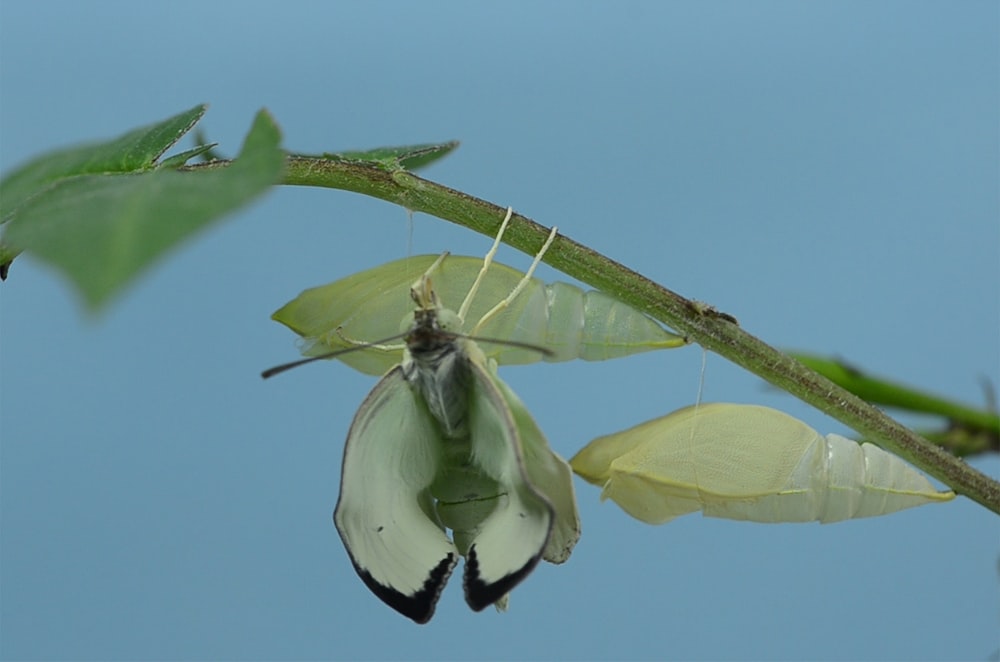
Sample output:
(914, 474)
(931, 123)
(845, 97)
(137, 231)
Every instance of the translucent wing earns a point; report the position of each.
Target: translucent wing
(747, 463)
(375, 304)
(385, 514)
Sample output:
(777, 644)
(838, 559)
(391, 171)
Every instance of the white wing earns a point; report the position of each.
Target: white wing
(550, 474)
(512, 539)
(385, 514)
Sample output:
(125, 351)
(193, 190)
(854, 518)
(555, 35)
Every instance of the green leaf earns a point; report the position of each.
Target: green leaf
(134, 151)
(410, 157)
(210, 154)
(179, 160)
(103, 230)
(964, 441)
(884, 392)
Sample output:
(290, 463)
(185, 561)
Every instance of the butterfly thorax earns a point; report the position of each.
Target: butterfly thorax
(437, 365)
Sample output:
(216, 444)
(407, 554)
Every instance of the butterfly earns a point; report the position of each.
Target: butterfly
(442, 443)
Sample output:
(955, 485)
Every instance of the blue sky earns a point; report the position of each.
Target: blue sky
(825, 172)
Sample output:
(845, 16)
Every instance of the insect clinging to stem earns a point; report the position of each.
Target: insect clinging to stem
(441, 442)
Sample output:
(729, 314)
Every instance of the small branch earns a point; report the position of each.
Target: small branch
(701, 324)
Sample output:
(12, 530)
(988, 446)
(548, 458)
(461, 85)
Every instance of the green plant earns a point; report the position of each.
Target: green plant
(102, 213)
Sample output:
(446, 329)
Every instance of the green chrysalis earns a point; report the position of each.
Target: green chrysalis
(566, 320)
(747, 462)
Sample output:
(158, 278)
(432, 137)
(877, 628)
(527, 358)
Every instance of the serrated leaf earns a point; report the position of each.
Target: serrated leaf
(134, 151)
(410, 157)
(103, 230)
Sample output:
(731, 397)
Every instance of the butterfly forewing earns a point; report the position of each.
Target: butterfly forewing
(385, 512)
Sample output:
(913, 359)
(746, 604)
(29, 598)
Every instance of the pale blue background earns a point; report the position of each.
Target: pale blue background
(826, 172)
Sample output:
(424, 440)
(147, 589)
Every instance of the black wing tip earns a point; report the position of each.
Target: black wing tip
(418, 607)
(478, 594)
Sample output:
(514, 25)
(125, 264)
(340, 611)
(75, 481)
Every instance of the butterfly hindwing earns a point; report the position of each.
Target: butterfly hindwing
(550, 474)
(513, 537)
(385, 514)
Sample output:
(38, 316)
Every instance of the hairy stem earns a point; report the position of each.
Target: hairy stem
(698, 322)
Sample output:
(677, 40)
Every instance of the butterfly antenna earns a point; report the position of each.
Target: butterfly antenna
(544, 351)
(278, 369)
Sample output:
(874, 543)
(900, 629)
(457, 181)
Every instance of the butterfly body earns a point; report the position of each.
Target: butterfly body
(436, 364)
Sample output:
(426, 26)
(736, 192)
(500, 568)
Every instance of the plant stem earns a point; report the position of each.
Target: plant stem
(698, 322)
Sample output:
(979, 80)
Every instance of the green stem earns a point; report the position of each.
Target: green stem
(699, 323)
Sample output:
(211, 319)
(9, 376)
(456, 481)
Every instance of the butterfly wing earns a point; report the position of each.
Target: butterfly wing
(385, 514)
(514, 536)
(550, 475)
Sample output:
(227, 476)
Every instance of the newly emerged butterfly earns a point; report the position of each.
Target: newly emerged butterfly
(441, 442)
(746, 462)
(566, 320)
